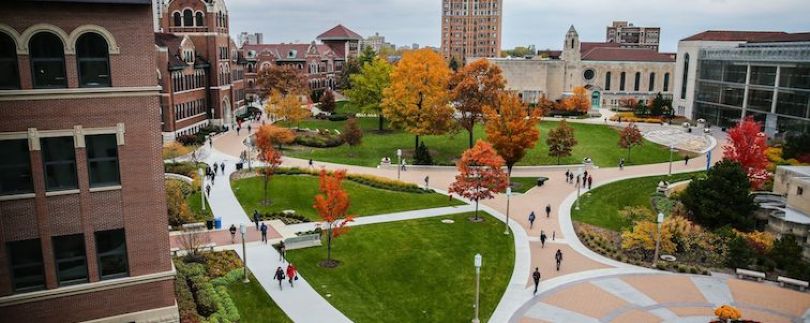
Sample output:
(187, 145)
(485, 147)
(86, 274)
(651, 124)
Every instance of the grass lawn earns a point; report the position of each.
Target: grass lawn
(523, 184)
(598, 142)
(413, 271)
(254, 305)
(294, 192)
(600, 206)
(195, 205)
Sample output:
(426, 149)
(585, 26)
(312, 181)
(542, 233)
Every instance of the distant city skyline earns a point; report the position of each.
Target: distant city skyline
(526, 22)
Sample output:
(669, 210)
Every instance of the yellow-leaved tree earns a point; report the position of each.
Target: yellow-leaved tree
(288, 107)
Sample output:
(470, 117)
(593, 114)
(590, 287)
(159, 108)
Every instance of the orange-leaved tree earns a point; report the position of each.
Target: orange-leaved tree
(630, 137)
(269, 135)
(474, 86)
(288, 107)
(747, 146)
(578, 101)
(417, 99)
(511, 128)
(333, 206)
(271, 159)
(480, 174)
(284, 79)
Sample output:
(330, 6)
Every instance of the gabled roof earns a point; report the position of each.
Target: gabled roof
(734, 35)
(339, 32)
(586, 47)
(282, 51)
(627, 55)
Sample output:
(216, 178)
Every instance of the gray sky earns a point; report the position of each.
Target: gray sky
(539, 22)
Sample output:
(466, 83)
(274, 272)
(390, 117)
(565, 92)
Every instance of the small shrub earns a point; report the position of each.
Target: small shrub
(188, 140)
(681, 268)
(338, 117)
(693, 270)
(319, 140)
(221, 263)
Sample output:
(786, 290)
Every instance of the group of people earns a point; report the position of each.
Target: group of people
(586, 180)
(558, 257)
(532, 217)
(211, 174)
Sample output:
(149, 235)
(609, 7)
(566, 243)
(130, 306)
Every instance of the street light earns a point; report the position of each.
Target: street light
(658, 239)
(399, 162)
(671, 150)
(579, 174)
(202, 186)
(508, 197)
(243, 230)
(477, 284)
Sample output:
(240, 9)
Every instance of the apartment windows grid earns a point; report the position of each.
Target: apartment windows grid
(102, 160)
(15, 167)
(27, 271)
(59, 161)
(70, 259)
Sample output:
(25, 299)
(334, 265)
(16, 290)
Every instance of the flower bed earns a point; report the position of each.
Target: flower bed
(200, 288)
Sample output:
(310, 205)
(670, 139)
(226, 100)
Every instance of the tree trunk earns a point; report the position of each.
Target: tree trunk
(471, 136)
(476, 210)
(266, 179)
(381, 119)
(416, 145)
(628, 152)
(329, 243)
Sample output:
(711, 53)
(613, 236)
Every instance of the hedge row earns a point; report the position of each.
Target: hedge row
(368, 180)
(318, 140)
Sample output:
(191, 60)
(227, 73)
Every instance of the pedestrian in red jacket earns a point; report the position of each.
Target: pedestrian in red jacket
(292, 273)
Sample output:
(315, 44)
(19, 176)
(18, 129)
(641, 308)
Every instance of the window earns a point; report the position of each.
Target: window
(102, 160)
(59, 160)
(15, 167)
(188, 18)
(652, 82)
(9, 75)
(621, 81)
(637, 82)
(177, 19)
(666, 82)
(47, 61)
(799, 190)
(607, 81)
(71, 260)
(111, 249)
(93, 59)
(199, 19)
(589, 74)
(685, 75)
(25, 257)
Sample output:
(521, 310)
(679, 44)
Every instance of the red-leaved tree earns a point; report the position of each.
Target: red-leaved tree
(747, 146)
(271, 159)
(630, 137)
(480, 175)
(333, 206)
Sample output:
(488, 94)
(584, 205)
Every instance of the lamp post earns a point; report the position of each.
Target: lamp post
(249, 152)
(658, 238)
(243, 230)
(477, 284)
(508, 197)
(202, 186)
(671, 150)
(399, 162)
(579, 174)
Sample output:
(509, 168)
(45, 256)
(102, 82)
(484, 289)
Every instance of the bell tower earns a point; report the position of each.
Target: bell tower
(571, 48)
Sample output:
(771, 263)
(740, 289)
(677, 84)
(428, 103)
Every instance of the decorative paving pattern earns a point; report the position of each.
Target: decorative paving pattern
(682, 140)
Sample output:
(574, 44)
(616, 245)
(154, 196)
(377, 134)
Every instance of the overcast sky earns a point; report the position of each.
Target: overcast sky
(539, 22)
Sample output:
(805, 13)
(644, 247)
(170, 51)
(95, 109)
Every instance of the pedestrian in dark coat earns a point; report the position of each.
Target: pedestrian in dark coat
(686, 160)
(548, 210)
(256, 218)
(282, 250)
(222, 167)
(263, 229)
(536, 277)
(590, 181)
(279, 276)
(567, 176)
(558, 257)
(531, 220)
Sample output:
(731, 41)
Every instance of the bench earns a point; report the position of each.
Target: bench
(793, 282)
(209, 246)
(304, 241)
(175, 251)
(745, 273)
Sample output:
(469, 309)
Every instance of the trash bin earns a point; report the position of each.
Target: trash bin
(239, 166)
(541, 181)
(209, 224)
(218, 223)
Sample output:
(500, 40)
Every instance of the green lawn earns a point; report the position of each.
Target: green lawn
(254, 305)
(600, 206)
(596, 141)
(523, 184)
(413, 271)
(195, 204)
(294, 192)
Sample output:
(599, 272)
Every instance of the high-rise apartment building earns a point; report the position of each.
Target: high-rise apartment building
(250, 38)
(627, 35)
(471, 28)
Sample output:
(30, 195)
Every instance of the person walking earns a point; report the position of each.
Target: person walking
(210, 142)
(571, 178)
(686, 160)
(402, 166)
(427, 182)
(222, 167)
(543, 239)
(232, 230)
(263, 229)
(249, 129)
(207, 189)
(567, 176)
(256, 218)
(279, 276)
(238, 128)
(558, 258)
(292, 273)
(621, 164)
(590, 181)
(584, 175)
(536, 277)
(548, 210)
(215, 167)
(531, 220)
(577, 181)
(311, 164)
(282, 250)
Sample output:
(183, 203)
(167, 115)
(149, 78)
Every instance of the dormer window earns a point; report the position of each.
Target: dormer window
(251, 53)
(292, 54)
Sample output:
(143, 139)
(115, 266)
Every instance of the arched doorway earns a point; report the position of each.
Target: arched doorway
(596, 100)
(227, 114)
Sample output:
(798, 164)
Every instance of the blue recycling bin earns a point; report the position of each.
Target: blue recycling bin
(218, 223)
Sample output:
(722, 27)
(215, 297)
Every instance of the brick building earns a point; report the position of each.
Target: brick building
(199, 67)
(82, 204)
(627, 35)
(471, 29)
(320, 62)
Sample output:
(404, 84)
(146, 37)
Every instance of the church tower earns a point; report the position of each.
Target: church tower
(571, 48)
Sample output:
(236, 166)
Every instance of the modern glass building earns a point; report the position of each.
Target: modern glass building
(769, 81)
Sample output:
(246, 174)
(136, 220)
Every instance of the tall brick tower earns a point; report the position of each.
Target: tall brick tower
(471, 28)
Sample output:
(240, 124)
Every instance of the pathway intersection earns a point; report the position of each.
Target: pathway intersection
(588, 287)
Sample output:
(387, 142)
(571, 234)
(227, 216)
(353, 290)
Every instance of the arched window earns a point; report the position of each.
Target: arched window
(685, 75)
(177, 19)
(93, 61)
(622, 78)
(607, 81)
(652, 82)
(637, 82)
(188, 18)
(572, 43)
(47, 61)
(199, 19)
(9, 74)
(666, 82)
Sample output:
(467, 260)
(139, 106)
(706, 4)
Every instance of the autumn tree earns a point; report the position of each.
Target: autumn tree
(473, 87)
(747, 146)
(368, 86)
(173, 150)
(268, 135)
(578, 101)
(332, 206)
(285, 79)
(327, 102)
(287, 107)
(268, 155)
(511, 128)
(480, 174)
(417, 99)
(453, 64)
(630, 137)
(644, 234)
(352, 134)
(177, 208)
(546, 106)
(561, 141)
(351, 67)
